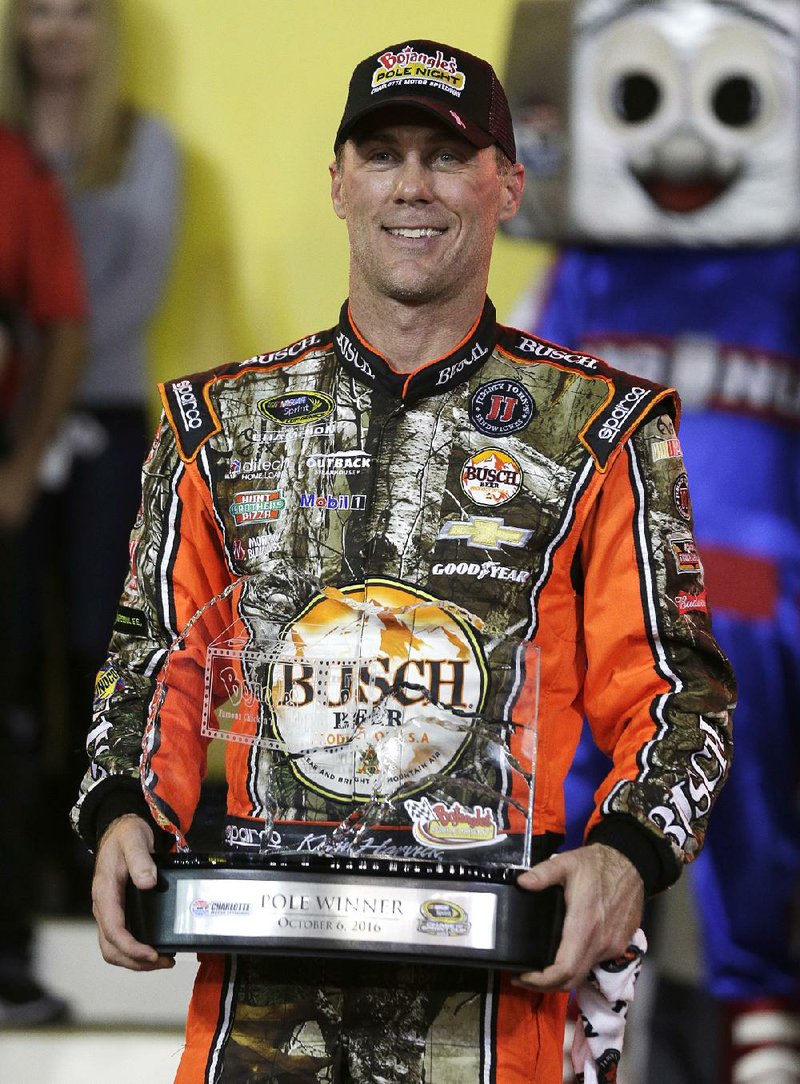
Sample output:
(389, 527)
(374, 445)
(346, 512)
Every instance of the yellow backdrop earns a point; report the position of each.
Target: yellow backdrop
(254, 90)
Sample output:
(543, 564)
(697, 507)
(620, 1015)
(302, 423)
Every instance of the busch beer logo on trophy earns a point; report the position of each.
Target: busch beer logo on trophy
(351, 751)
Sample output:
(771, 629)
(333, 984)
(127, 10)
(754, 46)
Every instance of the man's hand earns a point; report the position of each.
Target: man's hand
(604, 896)
(125, 852)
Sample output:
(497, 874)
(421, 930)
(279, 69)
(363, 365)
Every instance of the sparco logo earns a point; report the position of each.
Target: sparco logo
(544, 350)
(614, 422)
(187, 404)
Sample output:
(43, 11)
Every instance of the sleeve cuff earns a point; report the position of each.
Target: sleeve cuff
(650, 854)
(114, 797)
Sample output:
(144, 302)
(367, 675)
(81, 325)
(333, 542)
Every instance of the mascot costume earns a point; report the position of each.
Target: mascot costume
(662, 145)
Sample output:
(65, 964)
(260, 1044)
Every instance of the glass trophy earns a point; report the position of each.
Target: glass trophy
(345, 782)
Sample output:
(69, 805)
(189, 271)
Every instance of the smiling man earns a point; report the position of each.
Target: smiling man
(418, 455)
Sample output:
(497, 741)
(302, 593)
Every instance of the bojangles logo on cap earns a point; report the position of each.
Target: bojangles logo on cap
(411, 66)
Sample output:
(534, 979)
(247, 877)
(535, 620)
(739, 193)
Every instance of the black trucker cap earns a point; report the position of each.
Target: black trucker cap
(460, 89)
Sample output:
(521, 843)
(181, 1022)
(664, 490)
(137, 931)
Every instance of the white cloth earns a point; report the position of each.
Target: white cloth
(603, 999)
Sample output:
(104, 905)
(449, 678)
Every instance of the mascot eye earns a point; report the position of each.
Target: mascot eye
(736, 101)
(636, 97)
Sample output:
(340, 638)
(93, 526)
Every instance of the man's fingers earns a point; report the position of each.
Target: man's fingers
(139, 863)
(543, 875)
(124, 853)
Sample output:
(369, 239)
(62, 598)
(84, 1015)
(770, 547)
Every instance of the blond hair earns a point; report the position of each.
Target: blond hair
(105, 123)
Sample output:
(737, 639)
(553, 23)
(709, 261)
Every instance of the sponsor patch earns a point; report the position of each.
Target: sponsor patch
(616, 419)
(501, 407)
(665, 449)
(193, 420)
(253, 506)
(287, 353)
(108, 681)
(264, 467)
(547, 350)
(297, 407)
(481, 571)
(491, 477)
(131, 622)
(254, 548)
(687, 559)
(335, 464)
(334, 502)
(687, 603)
(452, 826)
(483, 532)
(681, 498)
(665, 425)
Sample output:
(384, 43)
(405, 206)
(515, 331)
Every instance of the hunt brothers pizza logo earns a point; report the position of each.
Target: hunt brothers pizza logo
(379, 691)
(411, 66)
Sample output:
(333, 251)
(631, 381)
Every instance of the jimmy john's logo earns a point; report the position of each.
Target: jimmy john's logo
(377, 690)
(491, 477)
(501, 407)
(297, 407)
(410, 67)
(452, 826)
(484, 532)
(681, 498)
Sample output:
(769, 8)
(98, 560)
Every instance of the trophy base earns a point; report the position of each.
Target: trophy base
(312, 905)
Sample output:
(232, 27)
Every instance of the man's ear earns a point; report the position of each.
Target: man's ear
(512, 193)
(337, 195)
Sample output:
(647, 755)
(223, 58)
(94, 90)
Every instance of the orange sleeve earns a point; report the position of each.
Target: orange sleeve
(658, 691)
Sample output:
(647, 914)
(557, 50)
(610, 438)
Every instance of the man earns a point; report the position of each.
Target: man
(584, 562)
(42, 306)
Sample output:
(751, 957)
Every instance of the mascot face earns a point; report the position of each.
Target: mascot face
(685, 123)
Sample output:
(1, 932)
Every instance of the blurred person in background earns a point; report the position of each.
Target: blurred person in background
(119, 167)
(42, 309)
(676, 205)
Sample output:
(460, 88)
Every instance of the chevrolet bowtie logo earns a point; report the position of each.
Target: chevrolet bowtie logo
(484, 532)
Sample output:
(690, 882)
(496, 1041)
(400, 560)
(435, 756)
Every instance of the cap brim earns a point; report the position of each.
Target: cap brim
(450, 117)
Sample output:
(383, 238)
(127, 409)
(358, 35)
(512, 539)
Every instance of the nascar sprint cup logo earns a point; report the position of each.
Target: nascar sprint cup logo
(379, 690)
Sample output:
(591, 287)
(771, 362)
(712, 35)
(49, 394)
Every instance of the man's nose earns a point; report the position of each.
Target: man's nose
(413, 181)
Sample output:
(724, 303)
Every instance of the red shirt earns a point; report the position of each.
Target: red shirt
(40, 273)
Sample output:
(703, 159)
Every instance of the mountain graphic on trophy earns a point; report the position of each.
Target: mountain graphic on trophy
(342, 779)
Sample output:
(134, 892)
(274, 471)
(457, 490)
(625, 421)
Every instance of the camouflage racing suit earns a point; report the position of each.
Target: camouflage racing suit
(524, 496)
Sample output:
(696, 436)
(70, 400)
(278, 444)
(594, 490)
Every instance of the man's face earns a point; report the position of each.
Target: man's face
(421, 205)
